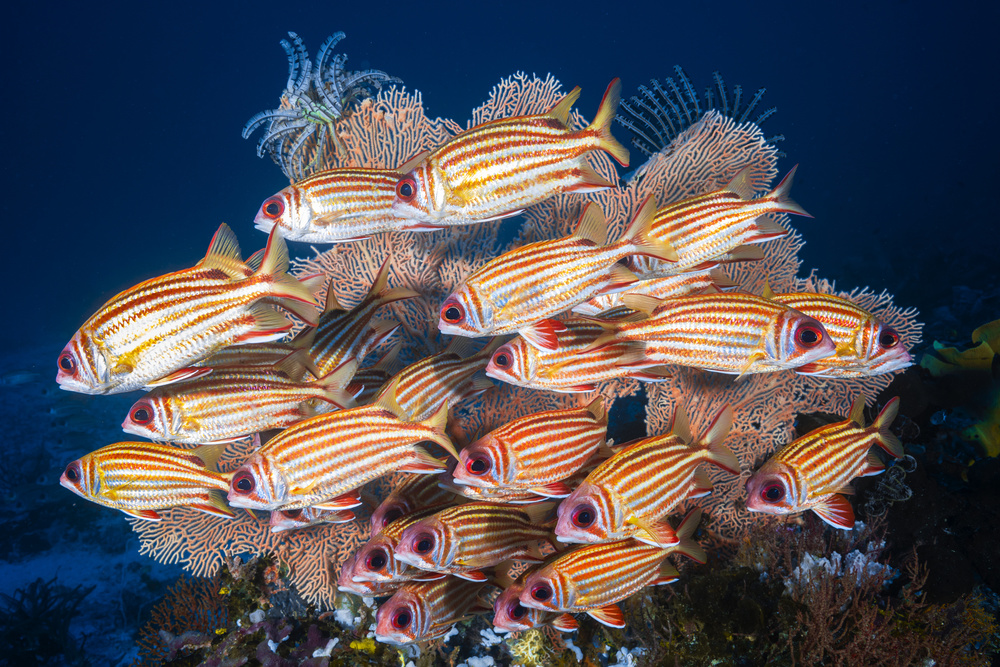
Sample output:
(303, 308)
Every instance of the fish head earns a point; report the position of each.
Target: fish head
(415, 197)
(78, 477)
(81, 367)
(376, 561)
(294, 519)
(884, 349)
(251, 487)
(509, 615)
(773, 489)
(152, 417)
(427, 544)
(513, 362)
(487, 462)
(402, 619)
(465, 314)
(549, 589)
(799, 339)
(288, 210)
(388, 512)
(590, 514)
(346, 583)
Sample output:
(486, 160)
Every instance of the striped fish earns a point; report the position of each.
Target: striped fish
(629, 494)
(372, 378)
(497, 169)
(345, 334)
(663, 287)
(231, 403)
(413, 493)
(572, 366)
(593, 578)
(815, 471)
(727, 333)
(865, 345)
(535, 452)
(419, 611)
(376, 559)
(139, 478)
(260, 354)
(337, 205)
(523, 289)
(346, 583)
(464, 539)
(297, 519)
(319, 460)
(704, 227)
(152, 333)
(450, 376)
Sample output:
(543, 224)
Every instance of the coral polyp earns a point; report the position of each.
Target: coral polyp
(301, 134)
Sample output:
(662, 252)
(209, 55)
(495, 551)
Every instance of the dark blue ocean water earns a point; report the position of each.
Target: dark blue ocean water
(122, 147)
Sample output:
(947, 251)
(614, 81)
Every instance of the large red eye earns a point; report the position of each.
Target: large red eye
(376, 560)
(292, 514)
(541, 592)
(406, 188)
(478, 465)
(243, 483)
(452, 312)
(67, 364)
(401, 619)
(772, 493)
(73, 472)
(423, 543)
(391, 516)
(808, 336)
(502, 358)
(888, 338)
(273, 207)
(583, 516)
(142, 413)
(516, 610)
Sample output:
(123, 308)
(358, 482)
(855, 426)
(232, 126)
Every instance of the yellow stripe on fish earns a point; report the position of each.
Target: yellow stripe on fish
(814, 471)
(663, 287)
(497, 169)
(139, 478)
(522, 289)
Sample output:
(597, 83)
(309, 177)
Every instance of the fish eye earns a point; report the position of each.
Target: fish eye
(406, 188)
(73, 472)
(243, 483)
(391, 516)
(142, 413)
(273, 207)
(478, 465)
(888, 338)
(583, 516)
(502, 359)
(808, 336)
(423, 543)
(376, 560)
(401, 619)
(541, 592)
(67, 363)
(772, 493)
(516, 610)
(452, 312)
(292, 514)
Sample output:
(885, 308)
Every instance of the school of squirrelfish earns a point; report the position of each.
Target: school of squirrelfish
(590, 519)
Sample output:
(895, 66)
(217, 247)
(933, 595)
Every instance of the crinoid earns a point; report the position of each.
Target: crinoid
(302, 132)
(662, 110)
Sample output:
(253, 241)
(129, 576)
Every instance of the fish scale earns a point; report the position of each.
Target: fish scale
(663, 287)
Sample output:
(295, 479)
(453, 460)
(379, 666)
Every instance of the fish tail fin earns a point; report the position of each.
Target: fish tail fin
(274, 266)
(602, 123)
(637, 235)
(685, 533)
(887, 440)
(714, 440)
(781, 195)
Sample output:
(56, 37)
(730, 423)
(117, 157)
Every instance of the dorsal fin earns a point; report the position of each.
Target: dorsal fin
(857, 414)
(593, 225)
(224, 254)
(560, 110)
(681, 426)
(641, 302)
(767, 293)
(741, 184)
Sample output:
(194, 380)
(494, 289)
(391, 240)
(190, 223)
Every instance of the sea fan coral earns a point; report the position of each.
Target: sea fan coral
(302, 134)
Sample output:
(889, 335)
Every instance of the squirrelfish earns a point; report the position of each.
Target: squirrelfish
(376, 559)
(662, 287)
(497, 169)
(705, 227)
(727, 333)
(413, 493)
(522, 289)
(318, 460)
(346, 583)
(372, 378)
(814, 472)
(594, 577)
(464, 539)
(509, 615)
(572, 366)
(297, 519)
(231, 403)
(139, 478)
(345, 334)
(337, 205)
(419, 611)
(535, 452)
(865, 344)
(153, 332)
(629, 494)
